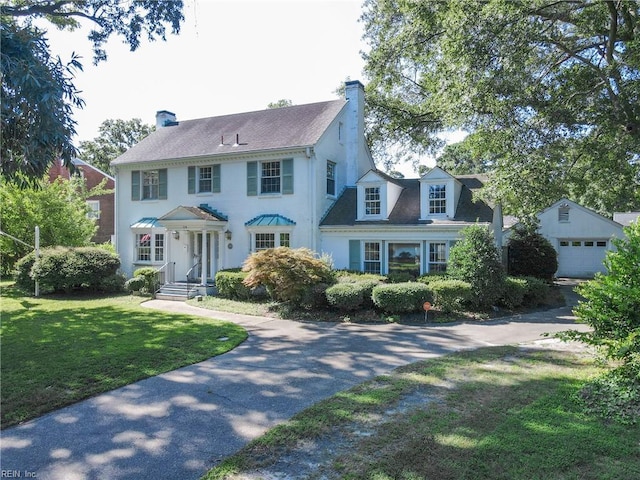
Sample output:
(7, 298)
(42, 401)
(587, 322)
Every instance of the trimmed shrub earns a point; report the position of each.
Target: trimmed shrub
(229, 284)
(22, 273)
(530, 254)
(112, 284)
(287, 273)
(350, 296)
(475, 259)
(135, 284)
(537, 291)
(63, 269)
(348, 276)
(150, 275)
(433, 277)
(401, 297)
(450, 295)
(513, 292)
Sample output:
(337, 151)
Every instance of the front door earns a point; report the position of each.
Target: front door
(211, 256)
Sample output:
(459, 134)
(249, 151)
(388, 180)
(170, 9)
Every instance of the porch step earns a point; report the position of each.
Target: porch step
(177, 291)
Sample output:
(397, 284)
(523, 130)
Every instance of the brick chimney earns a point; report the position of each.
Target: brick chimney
(165, 118)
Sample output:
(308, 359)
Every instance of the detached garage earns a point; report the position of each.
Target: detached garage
(580, 236)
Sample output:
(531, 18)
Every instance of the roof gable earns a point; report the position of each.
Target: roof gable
(277, 128)
(564, 201)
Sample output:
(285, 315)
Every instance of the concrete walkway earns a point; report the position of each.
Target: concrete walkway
(178, 425)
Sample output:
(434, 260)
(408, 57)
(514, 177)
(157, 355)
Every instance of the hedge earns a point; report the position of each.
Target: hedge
(63, 269)
(513, 292)
(229, 284)
(450, 295)
(401, 297)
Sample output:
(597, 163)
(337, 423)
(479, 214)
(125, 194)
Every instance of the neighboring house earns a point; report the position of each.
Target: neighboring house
(404, 226)
(198, 196)
(580, 236)
(102, 206)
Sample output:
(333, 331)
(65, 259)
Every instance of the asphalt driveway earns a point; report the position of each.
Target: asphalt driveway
(179, 424)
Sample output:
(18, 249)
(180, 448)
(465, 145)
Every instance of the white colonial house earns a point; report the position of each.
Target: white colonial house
(198, 196)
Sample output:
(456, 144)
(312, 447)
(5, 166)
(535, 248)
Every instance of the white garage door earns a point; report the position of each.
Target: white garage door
(581, 258)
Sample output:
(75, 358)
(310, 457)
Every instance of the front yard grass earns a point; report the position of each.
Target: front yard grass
(493, 413)
(57, 350)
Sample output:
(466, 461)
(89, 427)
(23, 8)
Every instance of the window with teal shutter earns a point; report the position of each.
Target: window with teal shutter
(354, 255)
(287, 176)
(252, 178)
(215, 178)
(191, 180)
(162, 184)
(135, 185)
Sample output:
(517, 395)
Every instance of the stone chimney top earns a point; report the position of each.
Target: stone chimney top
(165, 118)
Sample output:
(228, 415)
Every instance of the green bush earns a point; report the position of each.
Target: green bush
(229, 284)
(348, 276)
(135, 284)
(433, 277)
(401, 297)
(287, 273)
(537, 291)
(63, 269)
(475, 259)
(112, 284)
(150, 275)
(450, 295)
(351, 296)
(530, 254)
(513, 292)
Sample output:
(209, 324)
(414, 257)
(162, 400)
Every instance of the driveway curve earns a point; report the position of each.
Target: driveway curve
(180, 424)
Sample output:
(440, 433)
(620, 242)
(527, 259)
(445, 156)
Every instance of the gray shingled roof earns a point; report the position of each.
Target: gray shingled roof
(407, 208)
(296, 126)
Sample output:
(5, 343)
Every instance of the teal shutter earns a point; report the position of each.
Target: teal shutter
(191, 180)
(135, 185)
(287, 176)
(162, 184)
(252, 178)
(215, 178)
(354, 255)
(383, 258)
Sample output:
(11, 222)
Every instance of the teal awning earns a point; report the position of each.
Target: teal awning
(147, 222)
(273, 220)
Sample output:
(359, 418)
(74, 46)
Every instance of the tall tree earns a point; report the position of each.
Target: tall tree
(115, 137)
(462, 158)
(37, 87)
(550, 89)
(60, 210)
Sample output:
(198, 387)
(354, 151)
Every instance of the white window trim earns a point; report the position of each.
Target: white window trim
(275, 231)
(154, 232)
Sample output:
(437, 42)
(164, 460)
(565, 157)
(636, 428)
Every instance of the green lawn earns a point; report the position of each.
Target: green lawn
(493, 413)
(58, 350)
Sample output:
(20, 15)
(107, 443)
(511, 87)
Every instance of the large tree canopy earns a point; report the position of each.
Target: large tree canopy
(37, 87)
(549, 88)
(115, 137)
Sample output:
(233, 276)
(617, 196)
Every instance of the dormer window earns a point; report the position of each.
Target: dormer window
(437, 199)
(372, 201)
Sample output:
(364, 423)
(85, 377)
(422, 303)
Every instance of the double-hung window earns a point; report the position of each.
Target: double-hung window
(149, 247)
(149, 184)
(331, 178)
(271, 240)
(204, 179)
(372, 201)
(270, 177)
(372, 257)
(437, 257)
(437, 199)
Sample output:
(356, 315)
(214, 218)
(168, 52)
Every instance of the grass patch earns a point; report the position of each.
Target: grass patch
(57, 350)
(261, 308)
(493, 413)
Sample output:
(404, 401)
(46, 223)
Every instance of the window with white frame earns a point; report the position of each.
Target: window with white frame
(270, 177)
(205, 179)
(264, 240)
(372, 257)
(331, 178)
(94, 212)
(437, 257)
(372, 201)
(149, 247)
(437, 199)
(150, 184)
